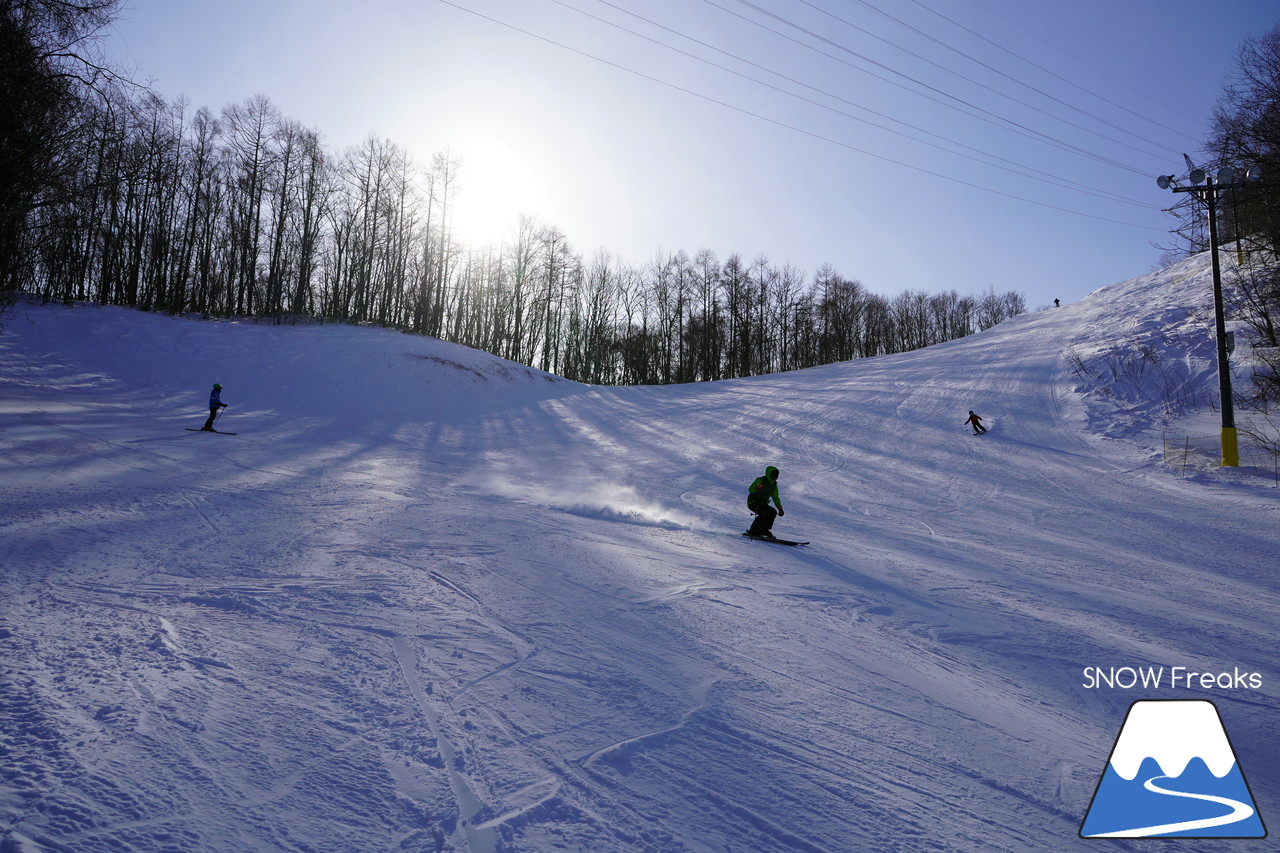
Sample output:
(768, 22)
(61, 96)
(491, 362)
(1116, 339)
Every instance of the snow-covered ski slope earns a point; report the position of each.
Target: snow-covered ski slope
(430, 600)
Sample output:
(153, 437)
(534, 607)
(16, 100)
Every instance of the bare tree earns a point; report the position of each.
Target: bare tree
(1246, 132)
(250, 133)
(53, 83)
(706, 333)
(735, 287)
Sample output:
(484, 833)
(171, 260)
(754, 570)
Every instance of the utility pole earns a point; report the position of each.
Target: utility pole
(1209, 195)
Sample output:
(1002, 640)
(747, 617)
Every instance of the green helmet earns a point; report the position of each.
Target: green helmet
(217, 386)
(771, 472)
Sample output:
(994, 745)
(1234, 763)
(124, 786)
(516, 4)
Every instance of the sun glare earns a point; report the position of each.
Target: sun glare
(496, 185)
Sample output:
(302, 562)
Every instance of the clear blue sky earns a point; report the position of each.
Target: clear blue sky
(926, 144)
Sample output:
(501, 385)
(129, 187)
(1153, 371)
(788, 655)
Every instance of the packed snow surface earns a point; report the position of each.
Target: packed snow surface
(429, 600)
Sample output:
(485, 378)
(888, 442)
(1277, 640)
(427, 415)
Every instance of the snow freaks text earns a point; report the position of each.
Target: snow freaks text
(1169, 678)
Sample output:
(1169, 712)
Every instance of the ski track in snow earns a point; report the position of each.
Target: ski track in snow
(427, 600)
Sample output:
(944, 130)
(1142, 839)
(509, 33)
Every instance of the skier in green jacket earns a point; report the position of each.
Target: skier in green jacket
(764, 489)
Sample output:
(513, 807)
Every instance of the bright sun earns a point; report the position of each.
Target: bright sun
(496, 185)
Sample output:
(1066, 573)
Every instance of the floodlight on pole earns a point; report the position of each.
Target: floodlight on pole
(1209, 195)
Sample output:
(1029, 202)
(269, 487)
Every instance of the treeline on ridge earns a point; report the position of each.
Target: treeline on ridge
(140, 201)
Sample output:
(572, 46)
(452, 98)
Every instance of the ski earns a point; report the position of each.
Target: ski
(218, 431)
(773, 540)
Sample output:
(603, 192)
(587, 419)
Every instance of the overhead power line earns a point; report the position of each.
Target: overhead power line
(1144, 95)
(785, 125)
(950, 146)
(955, 99)
(1091, 92)
(994, 70)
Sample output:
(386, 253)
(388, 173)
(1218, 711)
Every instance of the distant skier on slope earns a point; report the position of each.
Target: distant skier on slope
(978, 428)
(762, 490)
(215, 404)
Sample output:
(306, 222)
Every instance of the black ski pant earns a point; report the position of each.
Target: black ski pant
(763, 522)
(213, 413)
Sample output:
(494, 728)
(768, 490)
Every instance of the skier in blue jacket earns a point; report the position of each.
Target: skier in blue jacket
(215, 403)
